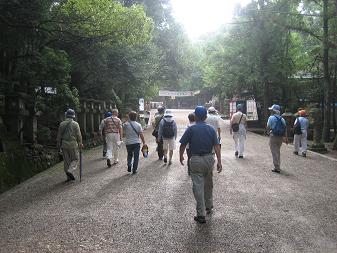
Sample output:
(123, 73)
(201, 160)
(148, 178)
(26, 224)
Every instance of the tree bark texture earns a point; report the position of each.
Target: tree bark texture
(327, 88)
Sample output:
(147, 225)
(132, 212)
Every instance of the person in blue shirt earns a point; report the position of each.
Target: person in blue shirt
(275, 139)
(301, 139)
(201, 139)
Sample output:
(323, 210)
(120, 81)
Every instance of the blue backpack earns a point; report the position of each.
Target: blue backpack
(279, 128)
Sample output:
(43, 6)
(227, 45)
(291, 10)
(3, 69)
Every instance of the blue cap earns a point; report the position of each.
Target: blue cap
(239, 107)
(200, 111)
(275, 107)
(107, 114)
(70, 113)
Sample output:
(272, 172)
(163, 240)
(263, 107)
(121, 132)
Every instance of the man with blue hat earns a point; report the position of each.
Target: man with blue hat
(238, 126)
(202, 138)
(276, 127)
(69, 140)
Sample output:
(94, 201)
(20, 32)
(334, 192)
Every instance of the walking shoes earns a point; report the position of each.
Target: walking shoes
(108, 163)
(209, 210)
(200, 219)
(70, 177)
(276, 170)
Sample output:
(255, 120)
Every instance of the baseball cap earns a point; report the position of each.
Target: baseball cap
(70, 113)
(275, 107)
(200, 111)
(107, 114)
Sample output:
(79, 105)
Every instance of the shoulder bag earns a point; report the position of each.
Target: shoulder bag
(235, 126)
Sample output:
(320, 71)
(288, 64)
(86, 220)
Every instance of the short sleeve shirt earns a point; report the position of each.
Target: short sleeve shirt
(131, 137)
(304, 123)
(112, 125)
(272, 121)
(201, 138)
(213, 120)
(237, 116)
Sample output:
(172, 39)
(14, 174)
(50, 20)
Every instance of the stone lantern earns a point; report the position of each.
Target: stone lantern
(316, 120)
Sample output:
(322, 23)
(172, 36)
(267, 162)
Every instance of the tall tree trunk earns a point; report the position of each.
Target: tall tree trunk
(263, 65)
(334, 95)
(334, 146)
(327, 88)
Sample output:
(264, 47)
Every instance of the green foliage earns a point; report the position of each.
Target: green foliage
(43, 134)
(107, 21)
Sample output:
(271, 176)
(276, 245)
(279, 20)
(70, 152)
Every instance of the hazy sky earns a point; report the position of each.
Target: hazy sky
(202, 16)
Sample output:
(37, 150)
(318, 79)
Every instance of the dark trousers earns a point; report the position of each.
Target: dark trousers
(160, 149)
(133, 152)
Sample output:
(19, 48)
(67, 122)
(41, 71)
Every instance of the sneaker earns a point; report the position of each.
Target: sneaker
(295, 152)
(276, 170)
(236, 153)
(160, 158)
(240, 156)
(165, 160)
(129, 169)
(134, 171)
(200, 219)
(209, 210)
(70, 177)
(115, 162)
(170, 162)
(304, 154)
(108, 162)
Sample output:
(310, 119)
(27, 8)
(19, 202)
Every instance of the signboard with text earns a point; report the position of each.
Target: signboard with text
(168, 93)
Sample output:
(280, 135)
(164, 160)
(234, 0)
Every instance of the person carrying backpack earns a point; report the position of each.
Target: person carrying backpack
(168, 133)
(301, 125)
(155, 125)
(276, 127)
(102, 132)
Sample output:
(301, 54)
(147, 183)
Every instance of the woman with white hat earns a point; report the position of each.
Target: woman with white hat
(168, 133)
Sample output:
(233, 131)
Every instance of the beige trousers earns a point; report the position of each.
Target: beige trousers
(201, 169)
(111, 145)
(275, 143)
(70, 159)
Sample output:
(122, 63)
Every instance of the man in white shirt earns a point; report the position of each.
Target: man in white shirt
(214, 120)
(238, 126)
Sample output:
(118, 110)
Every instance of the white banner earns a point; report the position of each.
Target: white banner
(141, 104)
(167, 93)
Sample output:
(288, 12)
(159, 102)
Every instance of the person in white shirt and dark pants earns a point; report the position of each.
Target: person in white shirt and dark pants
(300, 137)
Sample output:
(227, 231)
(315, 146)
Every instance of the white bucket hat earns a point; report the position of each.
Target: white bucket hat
(168, 113)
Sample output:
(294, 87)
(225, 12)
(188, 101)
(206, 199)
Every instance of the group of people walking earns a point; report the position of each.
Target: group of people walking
(201, 140)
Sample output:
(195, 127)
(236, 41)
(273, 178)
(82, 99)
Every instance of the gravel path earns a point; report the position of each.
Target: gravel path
(114, 211)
